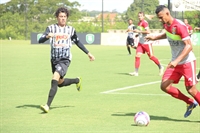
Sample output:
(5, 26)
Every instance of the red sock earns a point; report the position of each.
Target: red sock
(155, 60)
(176, 93)
(137, 62)
(197, 97)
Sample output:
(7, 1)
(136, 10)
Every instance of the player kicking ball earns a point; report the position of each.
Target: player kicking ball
(183, 61)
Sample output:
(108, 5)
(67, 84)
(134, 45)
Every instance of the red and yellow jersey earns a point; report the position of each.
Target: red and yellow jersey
(142, 26)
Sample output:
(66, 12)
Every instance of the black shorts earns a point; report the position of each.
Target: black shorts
(60, 66)
(130, 41)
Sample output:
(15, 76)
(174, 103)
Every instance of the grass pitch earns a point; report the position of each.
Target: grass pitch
(109, 99)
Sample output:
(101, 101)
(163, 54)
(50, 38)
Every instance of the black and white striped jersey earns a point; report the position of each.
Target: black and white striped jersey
(61, 42)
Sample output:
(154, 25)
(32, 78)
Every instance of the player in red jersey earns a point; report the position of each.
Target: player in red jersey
(189, 27)
(143, 46)
(183, 61)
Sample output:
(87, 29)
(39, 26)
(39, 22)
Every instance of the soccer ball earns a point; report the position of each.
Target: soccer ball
(141, 118)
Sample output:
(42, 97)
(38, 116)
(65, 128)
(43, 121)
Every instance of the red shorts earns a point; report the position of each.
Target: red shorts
(187, 70)
(145, 48)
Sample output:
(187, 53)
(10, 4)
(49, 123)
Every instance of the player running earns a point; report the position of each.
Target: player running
(183, 62)
(143, 46)
(130, 38)
(61, 37)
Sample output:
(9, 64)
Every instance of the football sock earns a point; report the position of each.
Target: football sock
(156, 61)
(129, 50)
(68, 82)
(137, 62)
(176, 93)
(198, 75)
(197, 97)
(52, 92)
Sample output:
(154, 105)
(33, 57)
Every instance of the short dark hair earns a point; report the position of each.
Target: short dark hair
(160, 8)
(141, 13)
(130, 19)
(63, 10)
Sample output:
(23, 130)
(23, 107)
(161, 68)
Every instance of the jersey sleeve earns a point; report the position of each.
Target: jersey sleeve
(182, 31)
(43, 37)
(76, 40)
(145, 24)
(190, 27)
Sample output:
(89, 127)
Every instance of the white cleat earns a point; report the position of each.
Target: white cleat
(161, 71)
(133, 74)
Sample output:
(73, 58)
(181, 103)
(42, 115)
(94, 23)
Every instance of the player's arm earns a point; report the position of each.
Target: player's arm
(146, 31)
(76, 40)
(46, 35)
(157, 37)
(184, 53)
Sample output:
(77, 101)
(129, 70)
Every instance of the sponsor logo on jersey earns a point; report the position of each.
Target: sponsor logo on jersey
(61, 37)
(174, 30)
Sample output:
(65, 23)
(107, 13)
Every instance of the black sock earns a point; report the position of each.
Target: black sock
(129, 50)
(52, 91)
(198, 75)
(68, 82)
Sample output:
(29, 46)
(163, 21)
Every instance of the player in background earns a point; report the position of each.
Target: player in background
(130, 37)
(143, 46)
(183, 61)
(61, 37)
(189, 27)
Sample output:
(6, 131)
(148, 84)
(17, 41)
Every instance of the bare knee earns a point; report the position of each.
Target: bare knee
(192, 90)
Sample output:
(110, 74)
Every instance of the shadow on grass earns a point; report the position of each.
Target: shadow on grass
(152, 117)
(38, 106)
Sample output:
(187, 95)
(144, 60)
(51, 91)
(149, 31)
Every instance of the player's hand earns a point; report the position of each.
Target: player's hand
(50, 35)
(172, 64)
(136, 31)
(91, 57)
(149, 38)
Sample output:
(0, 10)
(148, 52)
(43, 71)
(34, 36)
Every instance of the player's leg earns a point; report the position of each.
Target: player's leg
(128, 45)
(189, 72)
(139, 52)
(149, 50)
(170, 77)
(198, 76)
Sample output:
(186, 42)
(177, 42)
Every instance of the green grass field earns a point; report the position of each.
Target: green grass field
(109, 98)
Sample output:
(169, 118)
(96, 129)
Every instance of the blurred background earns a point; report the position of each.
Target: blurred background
(19, 18)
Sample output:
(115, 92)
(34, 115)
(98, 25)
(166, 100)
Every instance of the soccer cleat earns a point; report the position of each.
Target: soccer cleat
(44, 108)
(134, 74)
(161, 71)
(190, 107)
(78, 85)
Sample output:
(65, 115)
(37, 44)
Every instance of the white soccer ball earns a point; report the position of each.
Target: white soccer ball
(141, 118)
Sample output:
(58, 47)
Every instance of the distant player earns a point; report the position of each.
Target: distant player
(189, 27)
(183, 61)
(130, 38)
(143, 46)
(61, 37)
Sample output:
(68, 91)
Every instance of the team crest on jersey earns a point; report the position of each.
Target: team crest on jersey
(90, 38)
(174, 30)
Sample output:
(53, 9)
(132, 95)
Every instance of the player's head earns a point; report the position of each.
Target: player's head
(130, 21)
(141, 16)
(62, 15)
(185, 21)
(163, 14)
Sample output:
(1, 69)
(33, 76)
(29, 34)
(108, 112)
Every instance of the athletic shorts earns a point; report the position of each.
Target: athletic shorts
(188, 70)
(60, 66)
(130, 41)
(145, 48)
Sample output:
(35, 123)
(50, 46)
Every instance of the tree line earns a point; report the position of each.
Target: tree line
(18, 18)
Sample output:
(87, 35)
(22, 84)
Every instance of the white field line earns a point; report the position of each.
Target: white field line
(141, 94)
(129, 87)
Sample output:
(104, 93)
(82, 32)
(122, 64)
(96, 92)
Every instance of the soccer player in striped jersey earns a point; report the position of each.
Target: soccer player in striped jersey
(183, 61)
(143, 46)
(61, 37)
(130, 38)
